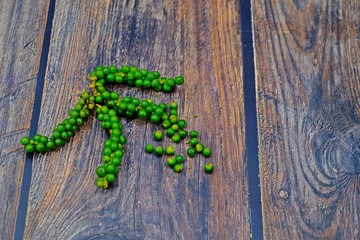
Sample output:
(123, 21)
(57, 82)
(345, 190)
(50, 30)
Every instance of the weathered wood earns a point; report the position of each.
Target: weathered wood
(308, 89)
(199, 39)
(21, 35)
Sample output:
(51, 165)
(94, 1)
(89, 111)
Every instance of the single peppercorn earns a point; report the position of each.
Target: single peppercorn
(149, 148)
(158, 135)
(171, 161)
(170, 150)
(176, 138)
(178, 167)
(193, 142)
(199, 147)
(170, 132)
(159, 151)
(207, 152)
(209, 167)
(182, 124)
(100, 171)
(110, 178)
(191, 152)
(193, 134)
(179, 159)
(29, 148)
(25, 141)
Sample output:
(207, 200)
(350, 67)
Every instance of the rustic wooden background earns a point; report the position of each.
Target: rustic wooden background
(307, 73)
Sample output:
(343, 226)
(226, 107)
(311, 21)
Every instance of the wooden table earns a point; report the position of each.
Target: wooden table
(276, 89)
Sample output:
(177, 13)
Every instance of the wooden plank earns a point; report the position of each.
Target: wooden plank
(308, 90)
(22, 25)
(199, 39)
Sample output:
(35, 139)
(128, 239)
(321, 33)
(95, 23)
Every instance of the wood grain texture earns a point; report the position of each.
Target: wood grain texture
(199, 39)
(22, 26)
(308, 90)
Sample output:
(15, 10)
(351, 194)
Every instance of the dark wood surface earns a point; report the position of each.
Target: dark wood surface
(22, 26)
(308, 87)
(307, 58)
(199, 39)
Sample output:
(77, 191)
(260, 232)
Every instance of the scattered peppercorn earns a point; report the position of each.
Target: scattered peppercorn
(110, 107)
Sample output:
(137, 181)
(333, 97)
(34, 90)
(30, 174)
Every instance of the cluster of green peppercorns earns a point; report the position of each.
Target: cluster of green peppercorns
(110, 107)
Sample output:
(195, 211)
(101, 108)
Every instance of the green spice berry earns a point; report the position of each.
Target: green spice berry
(40, 147)
(209, 167)
(170, 132)
(110, 168)
(170, 150)
(171, 161)
(179, 159)
(178, 167)
(175, 127)
(166, 124)
(110, 178)
(158, 135)
(193, 134)
(191, 152)
(182, 124)
(149, 148)
(182, 134)
(159, 151)
(25, 141)
(173, 119)
(207, 152)
(193, 142)
(29, 148)
(176, 138)
(179, 80)
(173, 105)
(100, 171)
(199, 147)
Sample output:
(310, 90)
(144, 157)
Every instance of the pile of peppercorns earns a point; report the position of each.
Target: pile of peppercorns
(110, 107)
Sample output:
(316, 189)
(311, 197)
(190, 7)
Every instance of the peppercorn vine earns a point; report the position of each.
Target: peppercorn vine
(110, 107)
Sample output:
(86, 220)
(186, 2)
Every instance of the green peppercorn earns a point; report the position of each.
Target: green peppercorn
(170, 150)
(175, 127)
(207, 152)
(110, 168)
(110, 178)
(173, 105)
(159, 151)
(50, 145)
(193, 142)
(40, 147)
(100, 183)
(158, 135)
(170, 132)
(154, 118)
(100, 171)
(149, 148)
(178, 167)
(176, 138)
(209, 167)
(171, 161)
(25, 141)
(182, 124)
(193, 134)
(199, 147)
(37, 137)
(191, 152)
(179, 159)
(173, 119)
(179, 80)
(116, 161)
(182, 134)
(166, 124)
(29, 148)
